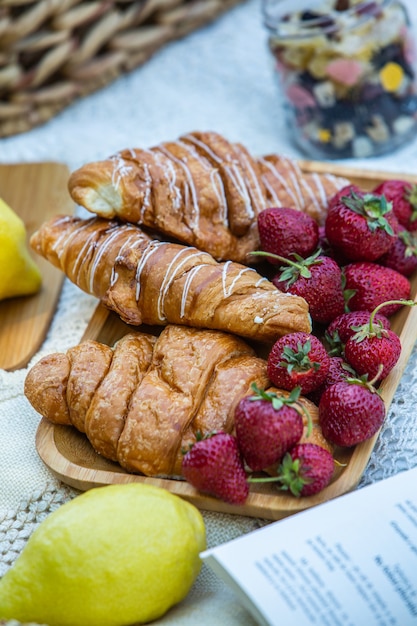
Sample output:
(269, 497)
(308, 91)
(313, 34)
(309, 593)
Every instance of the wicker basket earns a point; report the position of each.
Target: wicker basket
(54, 51)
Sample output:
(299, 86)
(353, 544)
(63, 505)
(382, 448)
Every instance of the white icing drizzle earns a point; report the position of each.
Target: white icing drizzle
(297, 188)
(117, 232)
(97, 248)
(294, 165)
(187, 285)
(260, 201)
(172, 272)
(100, 251)
(170, 176)
(261, 280)
(120, 169)
(311, 195)
(168, 171)
(275, 199)
(224, 275)
(337, 181)
(232, 171)
(204, 147)
(64, 240)
(188, 188)
(283, 182)
(217, 183)
(215, 178)
(133, 241)
(114, 277)
(84, 251)
(146, 253)
(227, 291)
(239, 182)
(320, 188)
(175, 191)
(148, 189)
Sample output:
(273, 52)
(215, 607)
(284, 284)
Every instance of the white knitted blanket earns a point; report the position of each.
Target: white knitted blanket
(217, 79)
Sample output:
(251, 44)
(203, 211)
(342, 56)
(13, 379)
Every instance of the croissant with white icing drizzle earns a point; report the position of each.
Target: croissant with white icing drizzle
(147, 281)
(201, 190)
(143, 401)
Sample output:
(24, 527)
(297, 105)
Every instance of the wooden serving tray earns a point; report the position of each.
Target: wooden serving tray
(36, 192)
(72, 459)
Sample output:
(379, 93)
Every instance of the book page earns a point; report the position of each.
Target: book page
(351, 561)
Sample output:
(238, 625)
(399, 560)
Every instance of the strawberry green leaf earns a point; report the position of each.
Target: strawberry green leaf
(372, 208)
(300, 360)
(277, 401)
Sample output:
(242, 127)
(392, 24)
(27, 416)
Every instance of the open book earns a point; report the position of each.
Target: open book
(351, 561)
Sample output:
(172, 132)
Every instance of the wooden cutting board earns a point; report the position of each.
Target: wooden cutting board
(36, 192)
(72, 459)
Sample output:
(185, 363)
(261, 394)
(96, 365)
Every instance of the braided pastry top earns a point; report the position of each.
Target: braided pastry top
(201, 190)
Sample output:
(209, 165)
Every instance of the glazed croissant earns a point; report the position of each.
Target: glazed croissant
(147, 281)
(144, 401)
(201, 190)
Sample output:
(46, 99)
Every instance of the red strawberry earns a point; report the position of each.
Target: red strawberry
(344, 191)
(403, 196)
(298, 360)
(344, 326)
(317, 279)
(306, 469)
(339, 370)
(267, 425)
(350, 412)
(372, 349)
(361, 226)
(214, 465)
(372, 284)
(284, 231)
(327, 250)
(402, 256)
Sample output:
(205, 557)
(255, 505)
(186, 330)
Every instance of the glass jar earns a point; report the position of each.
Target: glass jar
(347, 72)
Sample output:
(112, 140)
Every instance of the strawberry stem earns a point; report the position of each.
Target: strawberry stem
(383, 304)
(376, 329)
(304, 271)
(263, 479)
(375, 379)
(363, 380)
(290, 476)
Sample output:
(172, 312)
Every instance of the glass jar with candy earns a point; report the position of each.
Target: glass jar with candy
(347, 72)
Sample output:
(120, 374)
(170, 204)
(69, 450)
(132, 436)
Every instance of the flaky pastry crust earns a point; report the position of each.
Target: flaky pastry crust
(201, 190)
(144, 401)
(147, 281)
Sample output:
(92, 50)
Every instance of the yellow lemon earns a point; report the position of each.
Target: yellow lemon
(113, 556)
(20, 276)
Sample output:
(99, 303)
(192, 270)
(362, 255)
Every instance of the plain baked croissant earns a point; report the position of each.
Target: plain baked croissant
(143, 401)
(147, 281)
(201, 190)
